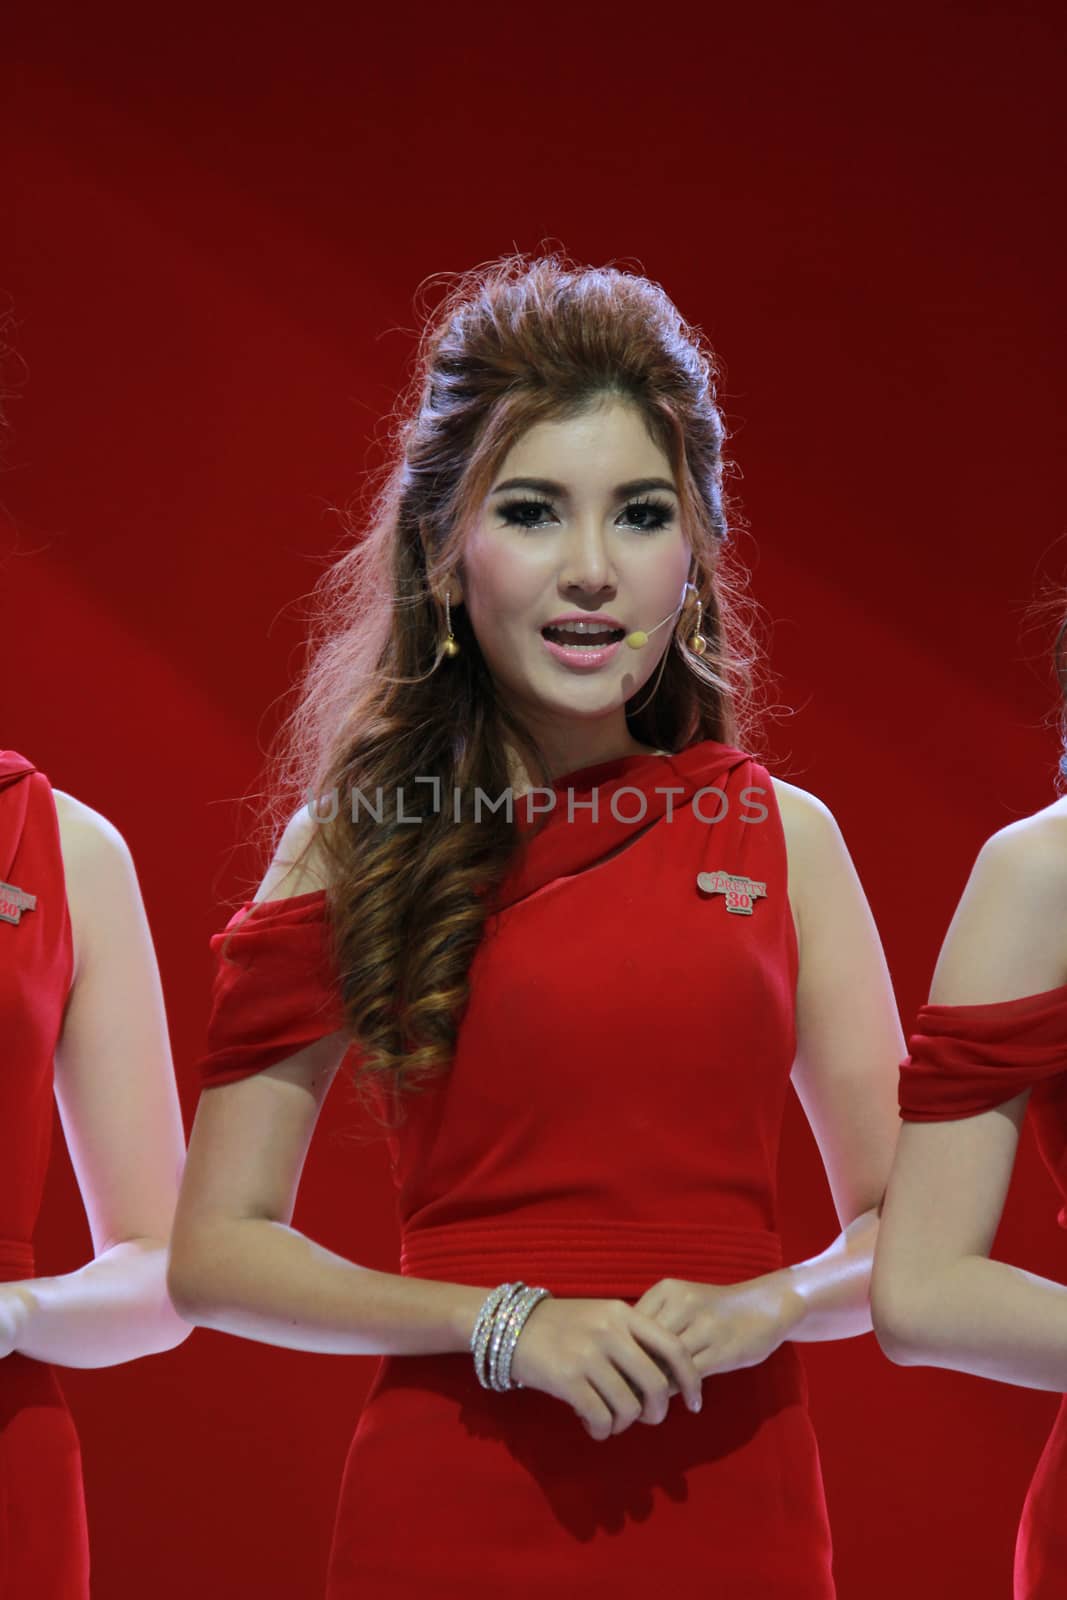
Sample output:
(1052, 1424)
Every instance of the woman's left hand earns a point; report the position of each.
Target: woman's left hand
(13, 1313)
(725, 1326)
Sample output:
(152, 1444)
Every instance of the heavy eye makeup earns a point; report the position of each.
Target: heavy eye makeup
(660, 513)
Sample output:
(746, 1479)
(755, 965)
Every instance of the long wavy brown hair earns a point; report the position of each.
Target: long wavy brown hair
(1049, 610)
(1059, 662)
(518, 342)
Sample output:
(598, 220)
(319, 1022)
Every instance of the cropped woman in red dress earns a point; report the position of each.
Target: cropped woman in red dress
(82, 1015)
(577, 942)
(988, 1049)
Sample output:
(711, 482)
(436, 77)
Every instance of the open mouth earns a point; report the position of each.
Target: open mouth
(574, 636)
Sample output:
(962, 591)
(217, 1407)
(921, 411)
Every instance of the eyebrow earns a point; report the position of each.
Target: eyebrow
(549, 486)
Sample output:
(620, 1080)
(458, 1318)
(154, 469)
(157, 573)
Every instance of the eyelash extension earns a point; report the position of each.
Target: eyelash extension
(663, 509)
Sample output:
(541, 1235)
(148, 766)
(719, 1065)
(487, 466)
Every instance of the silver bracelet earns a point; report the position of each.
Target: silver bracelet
(500, 1324)
(484, 1326)
(516, 1321)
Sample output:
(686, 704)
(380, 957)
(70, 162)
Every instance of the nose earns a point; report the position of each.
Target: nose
(587, 562)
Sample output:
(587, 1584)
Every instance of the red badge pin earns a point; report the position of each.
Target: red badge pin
(13, 902)
(740, 893)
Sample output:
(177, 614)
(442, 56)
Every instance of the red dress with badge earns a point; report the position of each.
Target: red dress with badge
(964, 1060)
(44, 1547)
(611, 1117)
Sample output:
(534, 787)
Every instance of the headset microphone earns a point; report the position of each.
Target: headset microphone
(639, 638)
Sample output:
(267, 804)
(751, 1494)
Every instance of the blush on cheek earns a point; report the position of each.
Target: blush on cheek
(506, 596)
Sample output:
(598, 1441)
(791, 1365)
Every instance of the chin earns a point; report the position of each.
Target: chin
(595, 703)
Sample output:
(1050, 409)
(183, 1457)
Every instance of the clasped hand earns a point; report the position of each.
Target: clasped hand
(616, 1364)
(12, 1317)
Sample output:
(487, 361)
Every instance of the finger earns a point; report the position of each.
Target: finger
(651, 1301)
(673, 1317)
(649, 1379)
(596, 1415)
(664, 1307)
(660, 1341)
(624, 1401)
(665, 1367)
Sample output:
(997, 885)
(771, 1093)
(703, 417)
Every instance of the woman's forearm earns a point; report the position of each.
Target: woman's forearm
(830, 1292)
(113, 1309)
(984, 1317)
(263, 1280)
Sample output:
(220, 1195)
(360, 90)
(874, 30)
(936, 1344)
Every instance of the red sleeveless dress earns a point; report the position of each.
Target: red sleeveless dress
(44, 1546)
(964, 1060)
(611, 1117)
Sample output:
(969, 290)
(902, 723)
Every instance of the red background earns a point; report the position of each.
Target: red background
(221, 224)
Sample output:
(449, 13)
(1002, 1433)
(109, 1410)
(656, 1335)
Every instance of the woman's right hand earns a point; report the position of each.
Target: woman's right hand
(612, 1364)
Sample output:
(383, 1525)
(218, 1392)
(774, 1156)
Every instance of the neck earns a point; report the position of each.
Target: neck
(574, 757)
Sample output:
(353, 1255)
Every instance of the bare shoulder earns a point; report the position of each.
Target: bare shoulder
(1008, 936)
(89, 842)
(300, 861)
(813, 844)
(803, 814)
(1035, 845)
(812, 835)
(98, 872)
(1026, 862)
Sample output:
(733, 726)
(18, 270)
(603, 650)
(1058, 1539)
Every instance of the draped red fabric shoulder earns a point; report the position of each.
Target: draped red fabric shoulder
(275, 986)
(966, 1059)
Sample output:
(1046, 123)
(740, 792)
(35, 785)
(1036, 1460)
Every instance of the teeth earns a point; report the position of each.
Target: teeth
(581, 627)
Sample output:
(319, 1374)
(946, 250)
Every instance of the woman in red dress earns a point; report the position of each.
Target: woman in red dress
(577, 942)
(988, 1049)
(82, 1015)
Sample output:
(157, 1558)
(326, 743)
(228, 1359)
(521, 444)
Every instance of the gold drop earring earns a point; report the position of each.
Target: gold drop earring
(450, 647)
(696, 641)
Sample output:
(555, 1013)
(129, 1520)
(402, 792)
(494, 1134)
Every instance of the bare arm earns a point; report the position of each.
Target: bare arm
(938, 1299)
(849, 1046)
(114, 1085)
(236, 1263)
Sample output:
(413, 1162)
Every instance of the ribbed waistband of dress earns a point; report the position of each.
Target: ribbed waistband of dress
(16, 1260)
(619, 1258)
